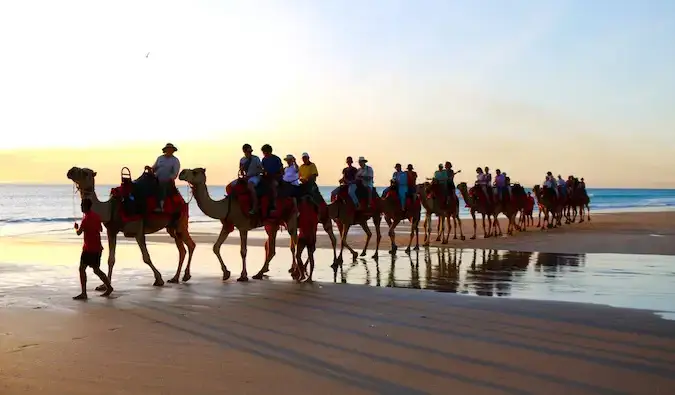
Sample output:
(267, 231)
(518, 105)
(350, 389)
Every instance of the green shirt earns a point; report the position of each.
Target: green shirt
(441, 175)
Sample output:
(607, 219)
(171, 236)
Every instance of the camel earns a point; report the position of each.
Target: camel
(516, 204)
(577, 202)
(308, 220)
(476, 205)
(432, 206)
(230, 213)
(548, 204)
(393, 215)
(345, 215)
(110, 213)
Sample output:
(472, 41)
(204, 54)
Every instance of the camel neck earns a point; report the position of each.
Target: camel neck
(211, 208)
(103, 209)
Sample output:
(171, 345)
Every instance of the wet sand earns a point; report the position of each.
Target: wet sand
(209, 337)
(620, 233)
(288, 338)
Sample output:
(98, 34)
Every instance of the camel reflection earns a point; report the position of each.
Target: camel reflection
(490, 272)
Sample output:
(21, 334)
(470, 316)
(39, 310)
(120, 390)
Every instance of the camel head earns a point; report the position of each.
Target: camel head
(193, 176)
(462, 186)
(83, 177)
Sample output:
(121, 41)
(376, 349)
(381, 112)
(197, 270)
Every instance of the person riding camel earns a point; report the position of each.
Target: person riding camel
(365, 176)
(401, 179)
(582, 184)
(412, 182)
(250, 169)
(451, 177)
(441, 179)
(166, 169)
(349, 179)
(488, 182)
(308, 175)
(481, 181)
(550, 183)
(500, 184)
(291, 171)
(563, 186)
(272, 173)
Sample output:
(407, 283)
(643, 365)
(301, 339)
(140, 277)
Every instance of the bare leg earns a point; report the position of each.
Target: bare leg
(243, 239)
(224, 232)
(105, 281)
(140, 239)
(83, 284)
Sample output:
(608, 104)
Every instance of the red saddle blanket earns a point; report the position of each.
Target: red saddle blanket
(241, 193)
(136, 208)
(364, 208)
(412, 206)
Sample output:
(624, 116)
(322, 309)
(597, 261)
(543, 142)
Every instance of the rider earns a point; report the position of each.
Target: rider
(272, 172)
(308, 174)
(562, 185)
(366, 176)
(488, 182)
(481, 181)
(291, 171)
(250, 168)
(349, 179)
(582, 184)
(401, 179)
(166, 169)
(550, 183)
(500, 183)
(412, 182)
(451, 176)
(441, 179)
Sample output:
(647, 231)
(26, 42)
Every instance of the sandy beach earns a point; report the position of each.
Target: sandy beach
(207, 336)
(621, 233)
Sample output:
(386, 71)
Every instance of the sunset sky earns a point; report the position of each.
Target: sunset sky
(574, 87)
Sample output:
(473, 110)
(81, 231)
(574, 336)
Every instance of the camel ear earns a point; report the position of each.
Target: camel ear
(93, 174)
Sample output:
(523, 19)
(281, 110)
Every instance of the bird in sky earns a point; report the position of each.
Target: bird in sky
(148, 54)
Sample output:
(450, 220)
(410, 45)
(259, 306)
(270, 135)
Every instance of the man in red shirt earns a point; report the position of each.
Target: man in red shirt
(92, 249)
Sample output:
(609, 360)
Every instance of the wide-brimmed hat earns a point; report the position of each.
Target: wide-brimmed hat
(305, 155)
(290, 157)
(169, 146)
(362, 159)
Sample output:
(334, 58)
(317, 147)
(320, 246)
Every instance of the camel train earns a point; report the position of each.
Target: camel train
(132, 211)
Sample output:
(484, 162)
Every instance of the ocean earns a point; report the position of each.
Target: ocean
(45, 209)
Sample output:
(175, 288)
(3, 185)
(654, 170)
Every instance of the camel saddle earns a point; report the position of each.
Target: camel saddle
(239, 191)
(476, 192)
(436, 191)
(139, 198)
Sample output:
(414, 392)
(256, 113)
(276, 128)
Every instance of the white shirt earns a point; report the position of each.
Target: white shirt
(562, 182)
(254, 168)
(166, 168)
(366, 171)
(481, 179)
(291, 175)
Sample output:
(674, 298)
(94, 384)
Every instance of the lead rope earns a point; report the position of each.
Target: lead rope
(73, 201)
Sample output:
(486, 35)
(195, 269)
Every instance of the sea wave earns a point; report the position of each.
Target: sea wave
(38, 220)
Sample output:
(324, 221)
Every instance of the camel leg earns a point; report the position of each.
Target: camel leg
(459, 225)
(140, 239)
(473, 215)
(378, 235)
(369, 234)
(181, 258)
(439, 228)
(271, 251)
(224, 232)
(243, 240)
(485, 232)
(392, 236)
(187, 239)
(112, 244)
(454, 223)
(344, 229)
(448, 226)
(414, 224)
(427, 228)
(588, 212)
(328, 228)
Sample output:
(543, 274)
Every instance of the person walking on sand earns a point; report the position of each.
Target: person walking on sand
(91, 250)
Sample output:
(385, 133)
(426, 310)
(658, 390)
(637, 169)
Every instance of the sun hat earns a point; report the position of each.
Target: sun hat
(290, 157)
(169, 146)
(305, 155)
(362, 159)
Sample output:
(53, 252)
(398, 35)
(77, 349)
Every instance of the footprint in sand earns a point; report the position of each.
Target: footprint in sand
(25, 346)
(114, 329)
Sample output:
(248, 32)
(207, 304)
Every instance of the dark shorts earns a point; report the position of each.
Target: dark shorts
(91, 259)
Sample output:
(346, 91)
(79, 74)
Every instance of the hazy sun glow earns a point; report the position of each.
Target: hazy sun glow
(571, 87)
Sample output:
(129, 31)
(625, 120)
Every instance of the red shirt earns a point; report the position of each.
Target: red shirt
(412, 179)
(92, 228)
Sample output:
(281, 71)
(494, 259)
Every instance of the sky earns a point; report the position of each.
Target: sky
(572, 87)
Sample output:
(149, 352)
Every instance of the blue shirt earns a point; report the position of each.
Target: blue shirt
(401, 178)
(272, 165)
